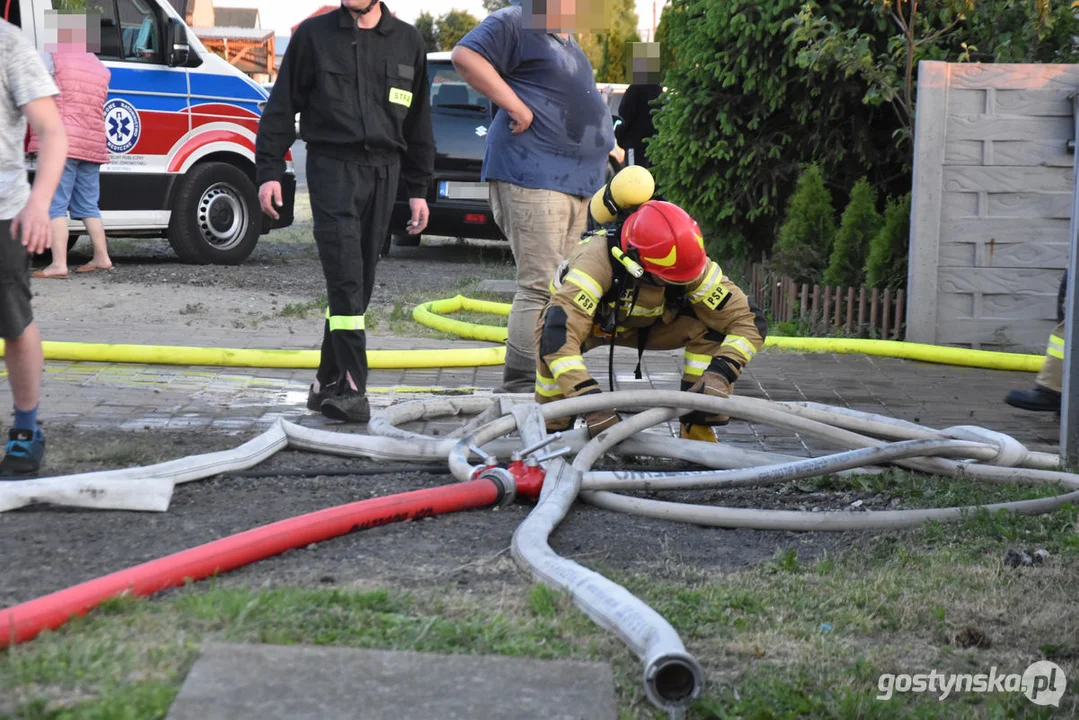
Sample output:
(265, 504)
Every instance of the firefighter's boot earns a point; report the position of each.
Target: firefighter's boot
(1039, 399)
(698, 432)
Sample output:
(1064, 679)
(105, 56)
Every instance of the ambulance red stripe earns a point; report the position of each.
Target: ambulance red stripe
(201, 140)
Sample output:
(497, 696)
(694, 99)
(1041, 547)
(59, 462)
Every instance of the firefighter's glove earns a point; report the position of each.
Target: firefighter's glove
(712, 383)
(715, 385)
(600, 420)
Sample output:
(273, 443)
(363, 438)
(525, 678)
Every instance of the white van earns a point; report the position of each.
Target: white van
(181, 125)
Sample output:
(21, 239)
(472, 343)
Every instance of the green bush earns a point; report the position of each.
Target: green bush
(613, 42)
(886, 266)
(860, 223)
(741, 118)
(805, 239)
(742, 115)
(667, 58)
(948, 30)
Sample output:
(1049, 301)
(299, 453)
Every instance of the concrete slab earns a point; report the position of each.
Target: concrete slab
(270, 682)
(498, 287)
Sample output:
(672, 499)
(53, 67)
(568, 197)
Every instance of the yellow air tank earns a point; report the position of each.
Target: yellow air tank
(632, 186)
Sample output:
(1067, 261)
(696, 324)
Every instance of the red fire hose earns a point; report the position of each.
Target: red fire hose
(23, 622)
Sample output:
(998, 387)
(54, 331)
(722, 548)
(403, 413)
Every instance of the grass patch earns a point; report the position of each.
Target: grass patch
(193, 309)
(787, 638)
(301, 310)
(401, 322)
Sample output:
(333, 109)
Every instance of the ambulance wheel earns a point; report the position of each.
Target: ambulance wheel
(215, 217)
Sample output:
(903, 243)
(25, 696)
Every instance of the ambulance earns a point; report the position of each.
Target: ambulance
(181, 125)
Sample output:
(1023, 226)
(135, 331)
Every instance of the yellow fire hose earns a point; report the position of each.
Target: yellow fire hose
(432, 314)
(288, 359)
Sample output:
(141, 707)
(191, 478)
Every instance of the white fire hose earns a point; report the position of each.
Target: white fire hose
(673, 678)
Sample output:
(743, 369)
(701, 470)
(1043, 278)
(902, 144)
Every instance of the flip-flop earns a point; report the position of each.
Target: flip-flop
(91, 268)
(41, 274)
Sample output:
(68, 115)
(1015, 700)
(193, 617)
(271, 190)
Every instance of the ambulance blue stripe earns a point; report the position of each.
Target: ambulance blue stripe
(147, 79)
(224, 86)
(204, 85)
(159, 103)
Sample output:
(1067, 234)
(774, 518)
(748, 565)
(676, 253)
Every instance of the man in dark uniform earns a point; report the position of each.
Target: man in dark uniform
(358, 79)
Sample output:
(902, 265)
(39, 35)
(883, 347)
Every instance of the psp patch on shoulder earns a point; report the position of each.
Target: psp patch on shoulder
(586, 302)
(716, 297)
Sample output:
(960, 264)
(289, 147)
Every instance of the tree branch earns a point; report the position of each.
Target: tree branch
(938, 33)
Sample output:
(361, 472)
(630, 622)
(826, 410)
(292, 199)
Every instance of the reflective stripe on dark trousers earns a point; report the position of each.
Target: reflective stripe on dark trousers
(351, 205)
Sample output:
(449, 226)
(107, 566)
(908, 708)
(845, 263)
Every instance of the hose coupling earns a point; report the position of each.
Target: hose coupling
(504, 480)
(673, 680)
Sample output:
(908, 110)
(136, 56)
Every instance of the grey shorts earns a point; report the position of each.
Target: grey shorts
(15, 313)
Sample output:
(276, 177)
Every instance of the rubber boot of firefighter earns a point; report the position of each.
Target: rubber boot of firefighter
(698, 432)
(1039, 399)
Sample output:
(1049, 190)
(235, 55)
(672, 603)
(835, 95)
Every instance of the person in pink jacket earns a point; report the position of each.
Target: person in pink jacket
(84, 87)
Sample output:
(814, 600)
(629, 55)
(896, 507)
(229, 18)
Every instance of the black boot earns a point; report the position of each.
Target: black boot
(1039, 399)
(314, 399)
(348, 406)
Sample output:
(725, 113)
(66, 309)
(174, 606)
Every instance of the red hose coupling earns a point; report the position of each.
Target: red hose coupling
(503, 480)
(528, 477)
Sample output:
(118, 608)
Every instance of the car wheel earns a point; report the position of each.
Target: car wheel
(215, 217)
(406, 240)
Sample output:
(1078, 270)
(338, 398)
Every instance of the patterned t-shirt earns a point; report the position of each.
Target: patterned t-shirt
(23, 79)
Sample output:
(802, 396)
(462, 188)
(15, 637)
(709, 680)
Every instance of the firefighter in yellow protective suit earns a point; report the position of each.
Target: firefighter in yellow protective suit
(642, 279)
(1045, 397)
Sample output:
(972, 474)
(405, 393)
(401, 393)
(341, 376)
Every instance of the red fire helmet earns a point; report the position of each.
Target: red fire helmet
(668, 241)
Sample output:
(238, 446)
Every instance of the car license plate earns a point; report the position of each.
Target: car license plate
(455, 190)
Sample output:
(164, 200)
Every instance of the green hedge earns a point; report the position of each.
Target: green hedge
(886, 266)
(860, 223)
(805, 239)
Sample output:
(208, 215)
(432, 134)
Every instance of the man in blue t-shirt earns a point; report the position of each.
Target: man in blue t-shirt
(546, 152)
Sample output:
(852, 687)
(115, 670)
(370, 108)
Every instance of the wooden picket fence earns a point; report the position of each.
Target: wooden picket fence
(827, 311)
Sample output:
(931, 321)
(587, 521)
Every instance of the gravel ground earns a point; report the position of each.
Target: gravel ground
(275, 290)
(287, 262)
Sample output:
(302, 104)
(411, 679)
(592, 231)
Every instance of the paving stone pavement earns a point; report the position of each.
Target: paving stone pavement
(232, 400)
(268, 682)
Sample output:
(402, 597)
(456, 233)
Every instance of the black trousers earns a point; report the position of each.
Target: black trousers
(351, 205)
